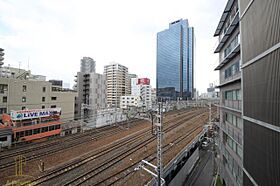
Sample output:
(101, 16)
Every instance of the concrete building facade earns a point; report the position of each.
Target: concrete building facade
(117, 78)
(87, 65)
(129, 83)
(141, 87)
(91, 89)
(20, 94)
(230, 139)
(130, 101)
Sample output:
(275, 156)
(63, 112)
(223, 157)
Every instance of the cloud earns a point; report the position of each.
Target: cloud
(55, 35)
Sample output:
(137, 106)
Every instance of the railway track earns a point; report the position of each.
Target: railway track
(7, 160)
(51, 143)
(133, 143)
(125, 174)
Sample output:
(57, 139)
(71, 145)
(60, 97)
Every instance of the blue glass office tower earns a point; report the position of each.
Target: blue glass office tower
(175, 48)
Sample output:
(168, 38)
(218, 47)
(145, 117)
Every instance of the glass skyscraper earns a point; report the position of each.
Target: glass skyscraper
(175, 61)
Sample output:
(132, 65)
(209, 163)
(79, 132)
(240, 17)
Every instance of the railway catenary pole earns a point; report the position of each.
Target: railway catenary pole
(159, 143)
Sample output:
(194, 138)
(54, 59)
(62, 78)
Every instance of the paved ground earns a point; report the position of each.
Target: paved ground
(202, 175)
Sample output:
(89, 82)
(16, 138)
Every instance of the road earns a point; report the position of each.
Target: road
(202, 175)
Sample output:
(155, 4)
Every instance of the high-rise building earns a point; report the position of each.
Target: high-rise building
(175, 56)
(260, 54)
(129, 77)
(91, 88)
(116, 77)
(230, 138)
(87, 65)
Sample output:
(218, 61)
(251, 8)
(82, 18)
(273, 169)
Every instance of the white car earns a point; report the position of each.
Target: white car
(205, 144)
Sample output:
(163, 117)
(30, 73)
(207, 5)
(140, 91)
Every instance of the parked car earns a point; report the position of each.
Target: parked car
(205, 144)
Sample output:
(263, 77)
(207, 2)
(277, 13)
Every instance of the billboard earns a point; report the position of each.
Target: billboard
(143, 81)
(34, 113)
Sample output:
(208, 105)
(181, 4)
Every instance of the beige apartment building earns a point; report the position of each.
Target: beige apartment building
(117, 83)
(24, 93)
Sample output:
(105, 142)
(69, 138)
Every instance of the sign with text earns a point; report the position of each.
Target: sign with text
(143, 81)
(34, 113)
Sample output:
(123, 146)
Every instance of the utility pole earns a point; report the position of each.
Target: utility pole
(158, 168)
(159, 143)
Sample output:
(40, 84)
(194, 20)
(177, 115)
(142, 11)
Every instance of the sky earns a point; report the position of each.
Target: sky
(53, 35)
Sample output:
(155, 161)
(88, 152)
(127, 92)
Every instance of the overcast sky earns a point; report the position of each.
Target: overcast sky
(55, 34)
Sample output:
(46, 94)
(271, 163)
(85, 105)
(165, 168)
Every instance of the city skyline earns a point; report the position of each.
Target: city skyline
(45, 34)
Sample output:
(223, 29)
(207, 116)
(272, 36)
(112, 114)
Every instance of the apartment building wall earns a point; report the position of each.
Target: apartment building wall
(260, 51)
(116, 78)
(91, 94)
(17, 94)
(130, 101)
(230, 127)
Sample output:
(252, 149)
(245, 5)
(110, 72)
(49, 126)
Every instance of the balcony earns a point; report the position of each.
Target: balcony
(231, 78)
(230, 52)
(234, 104)
(225, 35)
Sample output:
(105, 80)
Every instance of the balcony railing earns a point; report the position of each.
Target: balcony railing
(236, 75)
(235, 104)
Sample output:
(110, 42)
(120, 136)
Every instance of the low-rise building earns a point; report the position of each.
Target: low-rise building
(24, 94)
(130, 101)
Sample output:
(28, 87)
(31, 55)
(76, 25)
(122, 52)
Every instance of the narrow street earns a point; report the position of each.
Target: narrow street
(202, 175)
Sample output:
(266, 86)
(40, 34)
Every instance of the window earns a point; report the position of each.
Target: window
(53, 106)
(4, 138)
(44, 89)
(239, 151)
(23, 99)
(5, 99)
(28, 133)
(23, 108)
(3, 110)
(53, 98)
(51, 128)
(239, 123)
(24, 88)
(43, 106)
(57, 126)
(3, 87)
(43, 99)
(36, 131)
(45, 129)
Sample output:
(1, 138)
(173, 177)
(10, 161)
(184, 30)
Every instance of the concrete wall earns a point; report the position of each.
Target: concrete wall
(185, 170)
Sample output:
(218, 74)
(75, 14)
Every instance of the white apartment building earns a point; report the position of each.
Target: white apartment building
(130, 101)
(117, 78)
(141, 87)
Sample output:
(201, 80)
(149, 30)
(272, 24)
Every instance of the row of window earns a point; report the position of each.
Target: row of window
(234, 146)
(233, 94)
(231, 46)
(4, 87)
(234, 120)
(234, 168)
(232, 70)
(36, 131)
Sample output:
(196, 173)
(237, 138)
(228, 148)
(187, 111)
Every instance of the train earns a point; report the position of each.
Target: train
(32, 125)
